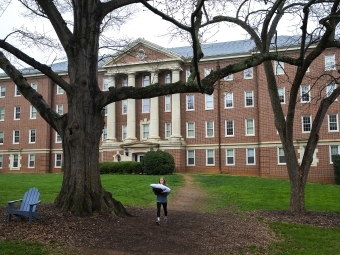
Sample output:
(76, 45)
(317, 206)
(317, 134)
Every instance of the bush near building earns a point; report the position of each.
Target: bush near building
(125, 167)
(158, 163)
(336, 165)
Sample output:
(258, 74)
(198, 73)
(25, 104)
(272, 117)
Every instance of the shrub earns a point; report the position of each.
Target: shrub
(336, 166)
(158, 163)
(123, 167)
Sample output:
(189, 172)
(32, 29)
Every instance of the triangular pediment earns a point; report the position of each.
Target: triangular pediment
(141, 52)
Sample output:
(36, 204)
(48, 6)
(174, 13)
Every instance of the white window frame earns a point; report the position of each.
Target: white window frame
(145, 131)
(146, 105)
(1, 137)
(106, 108)
(330, 122)
(209, 102)
(32, 136)
(305, 90)
(2, 113)
(167, 103)
(60, 109)
(104, 134)
(282, 94)
(34, 86)
(246, 98)
(250, 128)
(105, 84)
(227, 126)
(281, 157)
(331, 155)
(329, 89)
(187, 74)
(58, 160)
(191, 130)
(210, 155)
(124, 106)
(167, 78)
(2, 91)
(31, 160)
(207, 71)
(304, 124)
(58, 138)
(33, 112)
(248, 73)
(125, 81)
(60, 90)
(227, 156)
(190, 106)
(167, 129)
(279, 67)
(229, 77)
(146, 80)
(329, 62)
(17, 112)
(16, 136)
(14, 161)
(248, 156)
(191, 157)
(229, 97)
(16, 91)
(209, 129)
(124, 132)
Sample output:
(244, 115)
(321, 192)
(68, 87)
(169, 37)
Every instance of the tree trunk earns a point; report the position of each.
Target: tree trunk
(297, 195)
(82, 192)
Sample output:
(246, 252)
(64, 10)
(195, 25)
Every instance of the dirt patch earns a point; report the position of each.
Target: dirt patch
(188, 231)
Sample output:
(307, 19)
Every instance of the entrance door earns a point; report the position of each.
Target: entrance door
(140, 157)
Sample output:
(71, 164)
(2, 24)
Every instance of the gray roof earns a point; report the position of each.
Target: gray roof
(209, 50)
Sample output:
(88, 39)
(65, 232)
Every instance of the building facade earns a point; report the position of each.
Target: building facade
(230, 132)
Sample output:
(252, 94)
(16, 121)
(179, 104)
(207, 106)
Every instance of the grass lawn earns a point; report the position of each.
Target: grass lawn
(242, 193)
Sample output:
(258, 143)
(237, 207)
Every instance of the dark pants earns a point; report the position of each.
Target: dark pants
(164, 208)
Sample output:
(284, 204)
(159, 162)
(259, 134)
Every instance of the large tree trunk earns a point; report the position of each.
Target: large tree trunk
(297, 191)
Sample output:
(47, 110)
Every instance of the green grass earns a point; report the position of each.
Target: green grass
(241, 193)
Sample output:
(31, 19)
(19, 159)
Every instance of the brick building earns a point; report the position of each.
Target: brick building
(231, 131)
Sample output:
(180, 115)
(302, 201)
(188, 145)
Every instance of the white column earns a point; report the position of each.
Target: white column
(131, 113)
(111, 115)
(175, 110)
(154, 112)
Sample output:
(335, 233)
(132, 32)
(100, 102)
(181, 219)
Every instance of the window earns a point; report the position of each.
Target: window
(124, 132)
(306, 123)
(330, 88)
(104, 135)
(209, 127)
(190, 129)
(249, 98)
(190, 157)
(167, 103)
(60, 90)
(1, 137)
(58, 138)
(250, 156)
(229, 77)
(58, 158)
(333, 122)
(187, 74)
(33, 112)
(229, 128)
(279, 67)
(250, 127)
(124, 106)
(34, 86)
(146, 80)
(190, 102)
(31, 160)
(229, 101)
(167, 130)
(305, 93)
(125, 81)
(16, 136)
(146, 105)
(248, 73)
(105, 110)
(167, 78)
(207, 71)
(16, 91)
(281, 92)
(1, 159)
(145, 130)
(210, 156)
(230, 156)
(14, 159)
(281, 156)
(334, 150)
(32, 136)
(59, 109)
(2, 91)
(105, 84)
(329, 62)
(17, 112)
(2, 113)
(209, 102)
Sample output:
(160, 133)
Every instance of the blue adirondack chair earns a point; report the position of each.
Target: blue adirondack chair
(27, 207)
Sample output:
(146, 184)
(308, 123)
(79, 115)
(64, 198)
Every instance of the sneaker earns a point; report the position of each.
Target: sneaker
(165, 220)
(158, 222)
